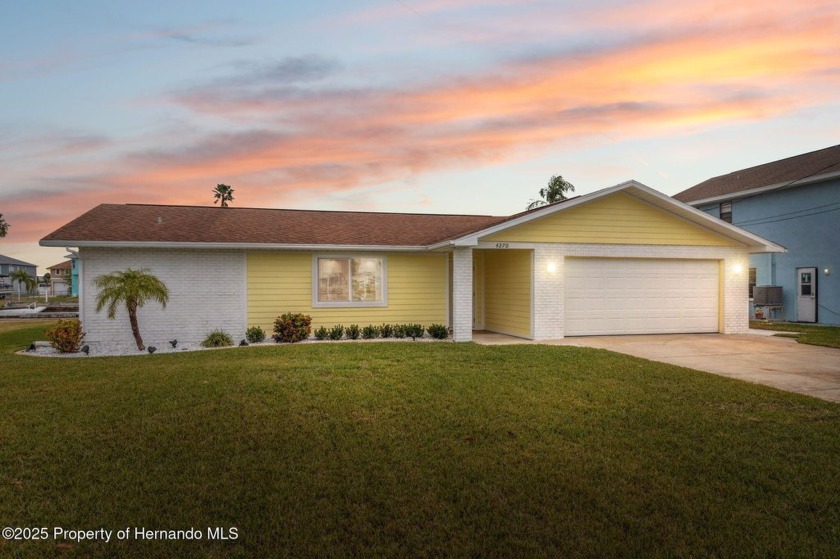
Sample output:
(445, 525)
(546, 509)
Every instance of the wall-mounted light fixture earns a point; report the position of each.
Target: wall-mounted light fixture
(551, 267)
(737, 268)
(826, 271)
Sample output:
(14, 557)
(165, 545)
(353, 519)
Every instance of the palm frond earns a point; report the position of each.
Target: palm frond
(130, 288)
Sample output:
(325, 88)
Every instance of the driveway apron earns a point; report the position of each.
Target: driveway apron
(756, 357)
(779, 362)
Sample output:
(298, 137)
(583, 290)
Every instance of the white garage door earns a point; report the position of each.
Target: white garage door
(606, 296)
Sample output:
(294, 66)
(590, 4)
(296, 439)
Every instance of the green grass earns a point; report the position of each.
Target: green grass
(413, 449)
(828, 336)
(35, 327)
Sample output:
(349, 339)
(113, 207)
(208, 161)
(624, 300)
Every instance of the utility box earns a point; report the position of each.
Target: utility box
(767, 295)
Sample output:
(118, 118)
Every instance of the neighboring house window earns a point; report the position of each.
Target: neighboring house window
(752, 281)
(726, 212)
(350, 281)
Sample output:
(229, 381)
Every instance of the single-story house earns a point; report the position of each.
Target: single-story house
(622, 260)
(795, 202)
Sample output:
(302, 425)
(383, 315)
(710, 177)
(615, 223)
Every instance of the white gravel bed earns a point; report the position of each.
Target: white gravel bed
(114, 350)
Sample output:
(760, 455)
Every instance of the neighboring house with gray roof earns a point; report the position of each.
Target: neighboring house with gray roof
(625, 259)
(8, 265)
(794, 202)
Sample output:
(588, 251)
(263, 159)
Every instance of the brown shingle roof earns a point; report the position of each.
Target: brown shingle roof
(790, 170)
(66, 265)
(204, 224)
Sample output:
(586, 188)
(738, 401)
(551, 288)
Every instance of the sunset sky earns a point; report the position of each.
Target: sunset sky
(442, 106)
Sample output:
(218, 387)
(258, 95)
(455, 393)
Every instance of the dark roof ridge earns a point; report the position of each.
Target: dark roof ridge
(793, 171)
(745, 169)
(17, 262)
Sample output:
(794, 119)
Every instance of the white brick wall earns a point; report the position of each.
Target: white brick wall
(736, 294)
(548, 293)
(206, 292)
(462, 294)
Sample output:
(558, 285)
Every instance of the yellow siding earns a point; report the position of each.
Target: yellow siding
(282, 282)
(507, 291)
(615, 219)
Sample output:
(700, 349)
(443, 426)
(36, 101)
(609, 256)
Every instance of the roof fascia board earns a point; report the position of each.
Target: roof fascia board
(775, 186)
(221, 246)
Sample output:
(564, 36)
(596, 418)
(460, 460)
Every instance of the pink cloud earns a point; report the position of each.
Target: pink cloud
(294, 142)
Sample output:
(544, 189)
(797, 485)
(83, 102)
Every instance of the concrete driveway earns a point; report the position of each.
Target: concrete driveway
(779, 362)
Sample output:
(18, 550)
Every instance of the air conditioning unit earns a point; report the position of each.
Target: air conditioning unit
(767, 295)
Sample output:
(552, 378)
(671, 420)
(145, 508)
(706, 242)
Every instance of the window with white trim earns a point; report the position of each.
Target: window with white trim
(352, 281)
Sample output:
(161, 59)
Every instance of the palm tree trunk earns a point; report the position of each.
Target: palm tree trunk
(135, 328)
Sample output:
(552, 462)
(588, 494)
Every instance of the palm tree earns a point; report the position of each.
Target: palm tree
(23, 278)
(4, 227)
(132, 288)
(554, 192)
(224, 194)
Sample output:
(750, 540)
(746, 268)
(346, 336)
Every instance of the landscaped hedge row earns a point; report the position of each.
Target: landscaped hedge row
(369, 332)
(67, 335)
(295, 327)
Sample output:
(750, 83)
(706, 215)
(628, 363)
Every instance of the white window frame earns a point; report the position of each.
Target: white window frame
(338, 304)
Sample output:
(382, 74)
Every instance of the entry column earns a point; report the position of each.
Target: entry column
(549, 320)
(462, 294)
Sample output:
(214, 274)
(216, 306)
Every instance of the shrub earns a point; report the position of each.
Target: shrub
(438, 331)
(336, 332)
(217, 338)
(386, 331)
(255, 334)
(353, 332)
(66, 336)
(292, 327)
(399, 331)
(369, 332)
(414, 331)
(321, 333)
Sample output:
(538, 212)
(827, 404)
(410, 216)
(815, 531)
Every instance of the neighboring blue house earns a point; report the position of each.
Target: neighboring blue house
(794, 202)
(74, 275)
(64, 277)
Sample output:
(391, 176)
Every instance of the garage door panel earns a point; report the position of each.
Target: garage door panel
(614, 296)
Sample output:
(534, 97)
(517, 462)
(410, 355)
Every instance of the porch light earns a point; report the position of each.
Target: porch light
(737, 268)
(551, 267)
(826, 271)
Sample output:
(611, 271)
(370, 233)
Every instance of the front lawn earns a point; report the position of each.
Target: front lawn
(828, 336)
(410, 449)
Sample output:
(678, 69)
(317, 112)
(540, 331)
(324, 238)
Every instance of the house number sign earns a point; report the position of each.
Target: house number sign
(502, 245)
